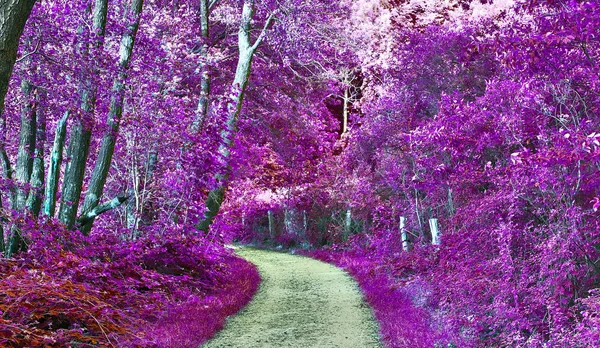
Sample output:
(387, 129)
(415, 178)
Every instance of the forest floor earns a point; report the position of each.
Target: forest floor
(301, 302)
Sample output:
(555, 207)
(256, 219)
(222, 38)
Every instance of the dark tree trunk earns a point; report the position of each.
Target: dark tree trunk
(13, 15)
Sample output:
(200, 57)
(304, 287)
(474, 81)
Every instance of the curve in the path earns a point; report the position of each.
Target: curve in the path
(301, 302)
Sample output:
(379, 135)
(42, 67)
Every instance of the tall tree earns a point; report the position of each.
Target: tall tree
(246, 51)
(79, 142)
(202, 109)
(107, 147)
(13, 16)
(24, 164)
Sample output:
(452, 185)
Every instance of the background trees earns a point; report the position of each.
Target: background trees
(317, 123)
(487, 123)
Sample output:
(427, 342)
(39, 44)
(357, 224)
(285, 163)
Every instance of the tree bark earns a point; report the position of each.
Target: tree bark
(36, 181)
(13, 16)
(24, 164)
(107, 147)
(234, 107)
(54, 166)
(7, 171)
(345, 111)
(202, 109)
(86, 217)
(271, 224)
(404, 234)
(77, 154)
(436, 236)
(2, 246)
(26, 149)
(79, 143)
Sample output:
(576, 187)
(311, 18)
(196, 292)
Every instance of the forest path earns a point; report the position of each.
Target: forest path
(301, 302)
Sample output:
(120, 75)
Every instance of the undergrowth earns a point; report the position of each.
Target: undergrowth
(163, 290)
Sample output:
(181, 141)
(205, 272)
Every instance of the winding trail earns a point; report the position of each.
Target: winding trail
(301, 302)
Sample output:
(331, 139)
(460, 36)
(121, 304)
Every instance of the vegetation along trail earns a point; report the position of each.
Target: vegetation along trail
(301, 302)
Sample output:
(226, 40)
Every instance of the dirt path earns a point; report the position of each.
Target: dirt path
(301, 302)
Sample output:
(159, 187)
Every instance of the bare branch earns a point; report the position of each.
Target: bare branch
(35, 50)
(263, 31)
(89, 216)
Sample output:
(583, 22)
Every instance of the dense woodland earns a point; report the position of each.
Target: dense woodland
(446, 153)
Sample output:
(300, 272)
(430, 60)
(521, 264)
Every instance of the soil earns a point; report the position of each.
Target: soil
(301, 302)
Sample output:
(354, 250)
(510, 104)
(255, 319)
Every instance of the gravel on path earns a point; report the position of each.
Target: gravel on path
(301, 302)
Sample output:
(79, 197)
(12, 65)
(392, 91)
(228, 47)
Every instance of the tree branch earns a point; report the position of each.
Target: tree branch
(89, 216)
(35, 50)
(212, 4)
(263, 31)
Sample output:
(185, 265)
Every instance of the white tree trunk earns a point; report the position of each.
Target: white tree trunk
(404, 234)
(202, 108)
(348, 222)
(436, 237)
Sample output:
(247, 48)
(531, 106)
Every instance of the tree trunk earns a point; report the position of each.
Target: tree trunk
(13, 16)
(77, 151)
(26, 146)
(271, 224)
(107, 147)
(54, 166)
(234, 107)
(79, 143)
(345, 111)
(202, 109)
(304, 222)
(451, 207)
(100, 209)
(2, 246)
(348, 222)
(436, 237)
(24, 163)
(288, 220)
(7, 171)
(36, 181)
(404, 234)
